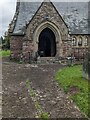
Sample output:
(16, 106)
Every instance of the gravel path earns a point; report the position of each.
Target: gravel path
(17, 102)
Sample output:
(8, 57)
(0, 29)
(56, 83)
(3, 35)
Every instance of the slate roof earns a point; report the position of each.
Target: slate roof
(75, 14)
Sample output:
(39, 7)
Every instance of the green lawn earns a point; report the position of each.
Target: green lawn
(4, 53)
(72, 77)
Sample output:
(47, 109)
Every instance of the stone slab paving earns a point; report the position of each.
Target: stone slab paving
(17, 102)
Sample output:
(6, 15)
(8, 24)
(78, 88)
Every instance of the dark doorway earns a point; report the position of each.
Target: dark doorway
(47, 44)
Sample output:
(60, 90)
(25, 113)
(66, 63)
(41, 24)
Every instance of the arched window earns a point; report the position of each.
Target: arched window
(86, 41)
(74, 41)
(80, 41)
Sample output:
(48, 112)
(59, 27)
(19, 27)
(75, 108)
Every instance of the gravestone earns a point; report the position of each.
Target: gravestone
(86, 63)
(86, 66)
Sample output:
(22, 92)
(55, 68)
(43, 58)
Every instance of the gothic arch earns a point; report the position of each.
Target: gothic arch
(74, 41)
(55, 30)
(86, 41)
(80, 41)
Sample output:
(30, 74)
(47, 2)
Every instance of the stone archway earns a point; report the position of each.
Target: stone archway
(52, 27)
(47, 43)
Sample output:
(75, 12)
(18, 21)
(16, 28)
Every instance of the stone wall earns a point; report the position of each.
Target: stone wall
(21, 46)
(79, 53)
(47, 16)
(16, 47)
(27, 50)
(80, 45)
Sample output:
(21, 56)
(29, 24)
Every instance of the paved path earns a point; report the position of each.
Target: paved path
(16, 99)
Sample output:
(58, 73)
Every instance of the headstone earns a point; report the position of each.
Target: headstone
(86, 63)
(86, 66)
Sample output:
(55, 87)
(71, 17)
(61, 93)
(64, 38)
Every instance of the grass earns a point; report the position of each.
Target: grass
(72, 77)
(4, 53)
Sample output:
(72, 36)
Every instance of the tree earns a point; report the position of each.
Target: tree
(6, 42)
(1, 40)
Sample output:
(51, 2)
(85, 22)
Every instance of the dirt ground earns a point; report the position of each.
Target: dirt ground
(17, 102)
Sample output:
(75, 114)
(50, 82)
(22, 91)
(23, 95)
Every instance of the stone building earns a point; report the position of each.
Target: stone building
(49, 29)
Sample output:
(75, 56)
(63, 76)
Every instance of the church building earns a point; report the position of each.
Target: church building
(49, 29)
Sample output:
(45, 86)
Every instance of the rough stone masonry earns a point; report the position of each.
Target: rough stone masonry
(47, 29)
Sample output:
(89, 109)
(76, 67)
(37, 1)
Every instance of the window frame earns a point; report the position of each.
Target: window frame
(80, 41)
(74, 41)
(86, 41)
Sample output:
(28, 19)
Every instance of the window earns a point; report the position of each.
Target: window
(80, 41)
(74, 41)
(86, 41)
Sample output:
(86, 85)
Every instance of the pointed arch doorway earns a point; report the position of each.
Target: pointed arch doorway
(47, 43)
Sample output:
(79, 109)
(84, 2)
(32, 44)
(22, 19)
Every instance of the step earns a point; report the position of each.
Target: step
(48, 60)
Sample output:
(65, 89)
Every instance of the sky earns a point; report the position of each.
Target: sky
(7, 11)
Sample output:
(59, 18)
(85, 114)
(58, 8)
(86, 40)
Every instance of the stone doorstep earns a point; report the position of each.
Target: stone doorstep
(48, 60)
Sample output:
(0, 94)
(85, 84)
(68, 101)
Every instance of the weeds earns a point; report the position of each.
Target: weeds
(41, 113)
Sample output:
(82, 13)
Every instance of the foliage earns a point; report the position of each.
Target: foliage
(4, 53)
(1, 40)
(72, 76)
(41, 113)
(44, 116)
(5, 42)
